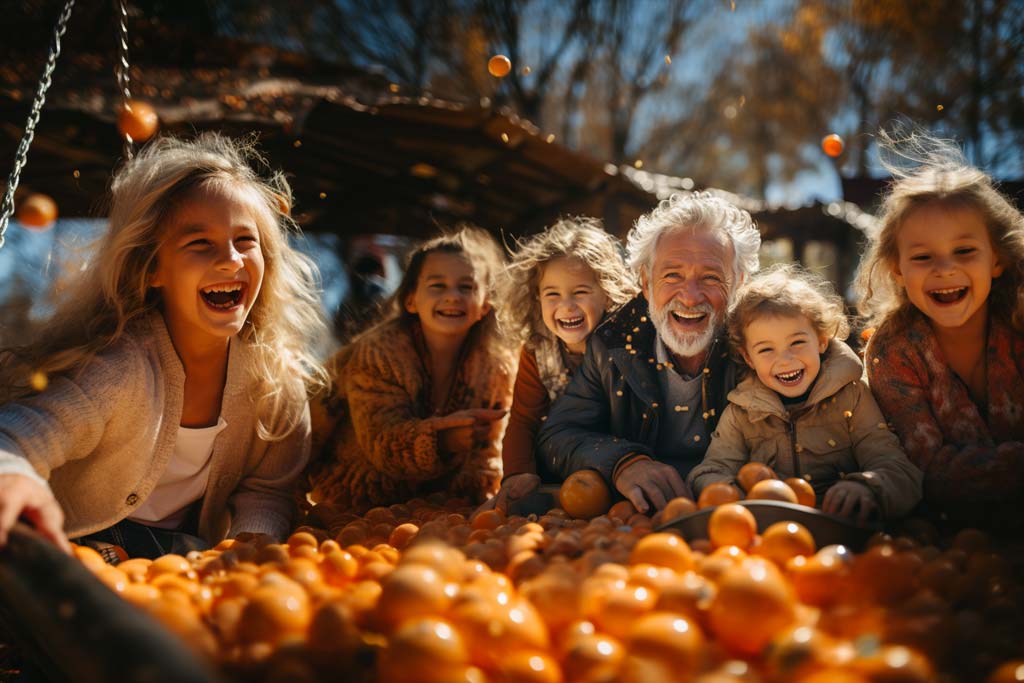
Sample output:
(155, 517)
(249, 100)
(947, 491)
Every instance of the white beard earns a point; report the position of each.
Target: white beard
(683, 344)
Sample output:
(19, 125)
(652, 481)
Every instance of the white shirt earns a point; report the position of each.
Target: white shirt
(184, 481)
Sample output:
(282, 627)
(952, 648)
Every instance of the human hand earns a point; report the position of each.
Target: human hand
(512, 489)
(482, 423)
(846, 498)
(22, 496)
(648, 480)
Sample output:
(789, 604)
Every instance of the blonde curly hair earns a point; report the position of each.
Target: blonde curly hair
(932, 171)
(519, 316)
(787, 290)
(112, 290)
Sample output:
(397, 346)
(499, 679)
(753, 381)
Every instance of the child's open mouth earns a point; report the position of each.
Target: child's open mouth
(790, 379)
(451, 313)
(224, 296)
(571, 323)
(948, 296)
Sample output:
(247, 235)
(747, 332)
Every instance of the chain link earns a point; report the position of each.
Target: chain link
(21, 156)
(122, 71)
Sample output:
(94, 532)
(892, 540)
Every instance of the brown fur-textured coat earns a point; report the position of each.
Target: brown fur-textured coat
(375, 434)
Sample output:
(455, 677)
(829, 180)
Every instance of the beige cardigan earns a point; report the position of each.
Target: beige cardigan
(103, 437)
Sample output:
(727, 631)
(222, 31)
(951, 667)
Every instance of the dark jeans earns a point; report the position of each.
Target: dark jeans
(139, 540)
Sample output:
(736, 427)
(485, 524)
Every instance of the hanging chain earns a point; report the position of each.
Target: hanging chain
(122, 71)
(21, 156)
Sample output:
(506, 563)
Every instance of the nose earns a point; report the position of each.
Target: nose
(689, 293)
(944, 265)
(229, 259)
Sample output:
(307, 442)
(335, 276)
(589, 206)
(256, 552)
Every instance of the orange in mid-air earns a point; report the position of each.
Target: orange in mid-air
(832, 145)
(139, 120)
(37, 211)
(584, 494)
(499, 66)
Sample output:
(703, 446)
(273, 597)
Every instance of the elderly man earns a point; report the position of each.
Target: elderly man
(642, 407)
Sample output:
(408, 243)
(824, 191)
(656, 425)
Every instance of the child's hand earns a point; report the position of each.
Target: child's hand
(480, 421)
(22, 496)
(848, 497)
(512, 489)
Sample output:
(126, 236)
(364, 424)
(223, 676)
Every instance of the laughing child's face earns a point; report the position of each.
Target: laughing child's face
(946, 263)
(571, 301)
(210, 266)
(448, 299)
(785, 352)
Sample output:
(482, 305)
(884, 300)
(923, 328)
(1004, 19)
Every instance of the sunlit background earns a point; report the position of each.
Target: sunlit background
(389, 121)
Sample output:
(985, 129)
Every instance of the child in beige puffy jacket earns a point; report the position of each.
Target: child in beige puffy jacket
(805, 410)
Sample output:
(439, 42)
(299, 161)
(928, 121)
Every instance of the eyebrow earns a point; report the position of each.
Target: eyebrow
(795, 335)
(964, 237)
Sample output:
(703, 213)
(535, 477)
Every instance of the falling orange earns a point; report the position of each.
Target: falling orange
(37, 212)
(499, 66)
(138, 120)
(832, 145)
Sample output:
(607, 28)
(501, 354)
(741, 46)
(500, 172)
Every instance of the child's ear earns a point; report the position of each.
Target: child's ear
(822, 343)
(898, 275)
(997, 268)
(485, 308)
(410, 303)
(746, 357)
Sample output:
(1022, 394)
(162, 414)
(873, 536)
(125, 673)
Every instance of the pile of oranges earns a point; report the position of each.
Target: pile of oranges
(429, 592)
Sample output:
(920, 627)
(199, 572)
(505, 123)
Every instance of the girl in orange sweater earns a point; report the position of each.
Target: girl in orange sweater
(554, 293)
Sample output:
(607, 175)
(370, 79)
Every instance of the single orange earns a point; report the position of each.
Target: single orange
(622, 511)
(785, 540)
(753, 472)
(592, 657)
(832, 145)
(37, 211)
(411, 591)
(663, 550)
(772, 489)
(731, 524)
(718, 493)
(753, 603)
(670, 638)
(138, 119)
(823, 578)
(499, 66)
(584, 494)
(423, 649)
(803, 490)
(678, 507)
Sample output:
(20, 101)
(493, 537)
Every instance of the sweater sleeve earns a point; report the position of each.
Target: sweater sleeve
(263, 502)
(394, 440)
(884, 467)
(67, 420)
(953, 475)
(530, 404)
(726, 454)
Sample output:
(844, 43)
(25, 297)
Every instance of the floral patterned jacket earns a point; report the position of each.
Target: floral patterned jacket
(972, 457)
(375, 433)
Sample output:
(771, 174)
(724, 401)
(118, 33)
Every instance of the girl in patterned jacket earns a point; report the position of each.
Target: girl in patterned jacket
(941, 281)
(419, 400)
(555, 291)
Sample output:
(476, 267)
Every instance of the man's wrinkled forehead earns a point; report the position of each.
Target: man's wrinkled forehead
(694, 246)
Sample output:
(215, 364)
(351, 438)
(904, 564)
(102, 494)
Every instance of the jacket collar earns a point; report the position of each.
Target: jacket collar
(629, 336)
(839, 366)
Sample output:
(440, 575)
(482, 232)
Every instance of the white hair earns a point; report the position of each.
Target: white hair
(697, 210)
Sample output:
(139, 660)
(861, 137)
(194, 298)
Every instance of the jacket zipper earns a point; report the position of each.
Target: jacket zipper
(792, 447)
